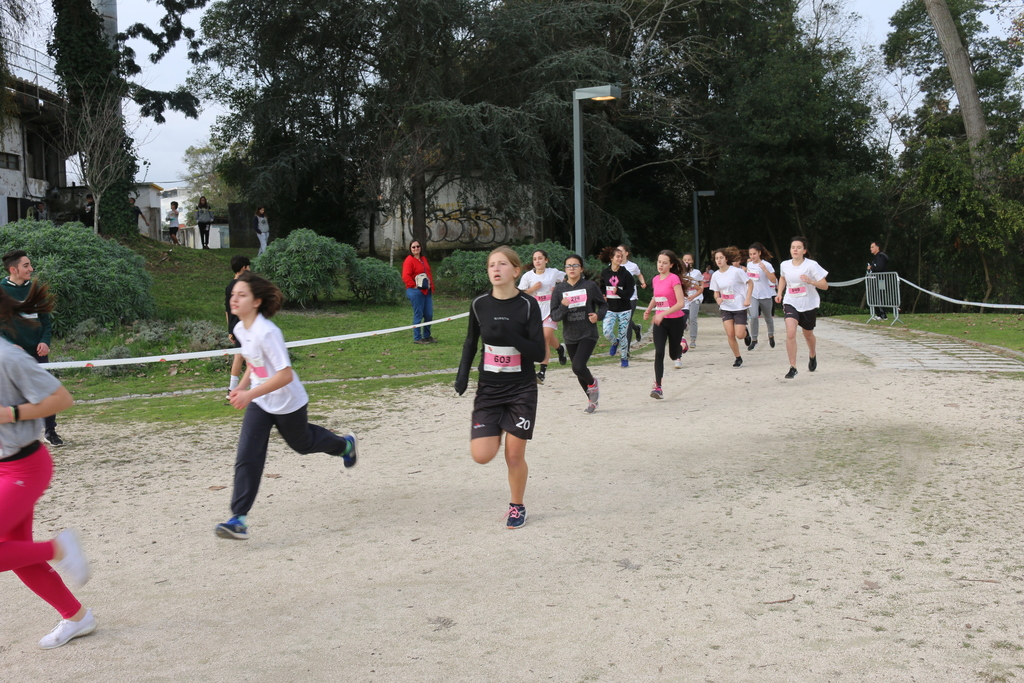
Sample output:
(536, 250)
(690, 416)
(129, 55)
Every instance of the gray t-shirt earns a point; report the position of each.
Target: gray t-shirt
(21, 381)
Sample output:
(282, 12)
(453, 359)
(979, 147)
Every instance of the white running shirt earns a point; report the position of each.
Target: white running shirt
(799, 294)
(265, 353)
(547, 282)
(762, 283)
(634, 270)
(732, 287)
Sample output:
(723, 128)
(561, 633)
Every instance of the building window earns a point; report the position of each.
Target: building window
(10, 161)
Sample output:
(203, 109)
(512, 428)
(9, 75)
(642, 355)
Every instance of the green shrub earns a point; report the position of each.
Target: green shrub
(89, 277)
(203, 335)
(116, 370)
(555, 251)
(375, 282)
(827, 308)
(467, 270)
(151, 331)
(85, 330)
(305, 265)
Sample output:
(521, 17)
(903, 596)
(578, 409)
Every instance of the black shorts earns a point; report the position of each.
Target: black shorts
(510, 408)
(737, 317)
(805, 319)
(173, 231)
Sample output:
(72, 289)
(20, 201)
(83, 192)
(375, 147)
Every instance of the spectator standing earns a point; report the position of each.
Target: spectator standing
(261, 227)
(204, 217)
(89, 215)
(879, 263)
(419, 289)
(137, 213)
(31, 331)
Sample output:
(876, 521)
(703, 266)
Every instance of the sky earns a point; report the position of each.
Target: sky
(163, 145)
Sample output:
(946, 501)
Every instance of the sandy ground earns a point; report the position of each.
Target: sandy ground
(855, 524)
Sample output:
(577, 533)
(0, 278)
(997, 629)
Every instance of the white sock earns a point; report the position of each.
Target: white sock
(233, 383)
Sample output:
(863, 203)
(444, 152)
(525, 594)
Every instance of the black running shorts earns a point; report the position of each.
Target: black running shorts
(510, 408)
(805, 319)
(737, 317)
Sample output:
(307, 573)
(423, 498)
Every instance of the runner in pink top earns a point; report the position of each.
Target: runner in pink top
(669, 321)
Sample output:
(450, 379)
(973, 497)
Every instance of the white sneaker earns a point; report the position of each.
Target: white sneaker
(67, 629)
(678, 364)
(74, 566)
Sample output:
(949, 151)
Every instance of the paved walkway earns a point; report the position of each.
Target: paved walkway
(918, 352)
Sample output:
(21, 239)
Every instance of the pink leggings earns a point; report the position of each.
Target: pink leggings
(22, 483)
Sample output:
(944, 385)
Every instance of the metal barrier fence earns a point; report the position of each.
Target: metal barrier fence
(883, 292)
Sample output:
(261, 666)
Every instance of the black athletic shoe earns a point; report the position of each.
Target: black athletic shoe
(516, 516)
(791, 374)
(812, 364)
(540, 376)
(639, 332)
(771, 342)
(739, 362)
(561, 354)
(751, 345)
(746, 340)
(53, 439)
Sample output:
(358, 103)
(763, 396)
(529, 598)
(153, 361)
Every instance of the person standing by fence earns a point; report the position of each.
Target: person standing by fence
(879, 263)
(261, 227)
(204, 218)
(419, 290)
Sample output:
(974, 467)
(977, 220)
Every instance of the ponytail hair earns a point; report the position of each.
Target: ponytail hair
(271, 298)
(760, 248)
(606, 254)
(37, 301)
(731, 254)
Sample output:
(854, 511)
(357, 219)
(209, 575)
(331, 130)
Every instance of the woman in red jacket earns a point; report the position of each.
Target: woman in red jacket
(419, 288)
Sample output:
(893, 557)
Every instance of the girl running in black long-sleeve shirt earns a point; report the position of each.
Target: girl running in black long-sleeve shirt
(509, 323)
(579, 305)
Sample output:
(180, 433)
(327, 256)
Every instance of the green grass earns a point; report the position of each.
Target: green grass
(995, 329)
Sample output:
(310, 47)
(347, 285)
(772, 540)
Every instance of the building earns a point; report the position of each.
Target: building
(31, 169)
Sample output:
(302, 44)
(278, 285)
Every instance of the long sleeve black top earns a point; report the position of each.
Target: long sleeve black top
(619, 286)
(576, 326)
(506, 326)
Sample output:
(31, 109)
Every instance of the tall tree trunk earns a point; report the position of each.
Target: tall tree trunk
(419, 208)
(960, 70)
(988, 281)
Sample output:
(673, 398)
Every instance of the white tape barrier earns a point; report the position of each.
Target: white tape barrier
(232, 351)
(962, 303)
(847, 283)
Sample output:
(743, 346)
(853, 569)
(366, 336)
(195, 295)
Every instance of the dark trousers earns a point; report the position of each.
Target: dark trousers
(294, 428)
(670, 331)
(580, 353)
(51, 420)
(204, 234)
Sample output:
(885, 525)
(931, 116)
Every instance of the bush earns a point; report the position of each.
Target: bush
(827, 308)
(203, 335)
(116, 370)
(89, 277)
(375, 282)
(468, 272)
(305, 265)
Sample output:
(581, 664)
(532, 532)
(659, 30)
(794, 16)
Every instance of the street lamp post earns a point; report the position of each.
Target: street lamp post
(600, 92)
(696, 236)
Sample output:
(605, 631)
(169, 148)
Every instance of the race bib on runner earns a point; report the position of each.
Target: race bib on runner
(611, 292)
(258, 374)
(753, 275)
(800, 290)
(541, 298)
(502, 359)
(577, 298)
(727, 295)
(661, 303)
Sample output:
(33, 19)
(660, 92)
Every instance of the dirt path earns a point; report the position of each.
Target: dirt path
(857, 523)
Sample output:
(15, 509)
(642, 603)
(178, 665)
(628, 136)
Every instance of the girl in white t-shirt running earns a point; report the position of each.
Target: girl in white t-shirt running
(762, 274)
(638, 278)
(694, 295)
(271, 395)
(799, 282)
(539, 283)
(732, 291)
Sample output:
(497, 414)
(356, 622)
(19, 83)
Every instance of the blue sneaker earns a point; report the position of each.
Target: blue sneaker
(353, 454)
(233, 528)
(625, 363)
(615, 347)
(516, 516)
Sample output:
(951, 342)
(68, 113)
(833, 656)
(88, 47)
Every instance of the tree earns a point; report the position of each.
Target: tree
(205, 180)
(98, 144)
(960, 70)
(13, 15)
